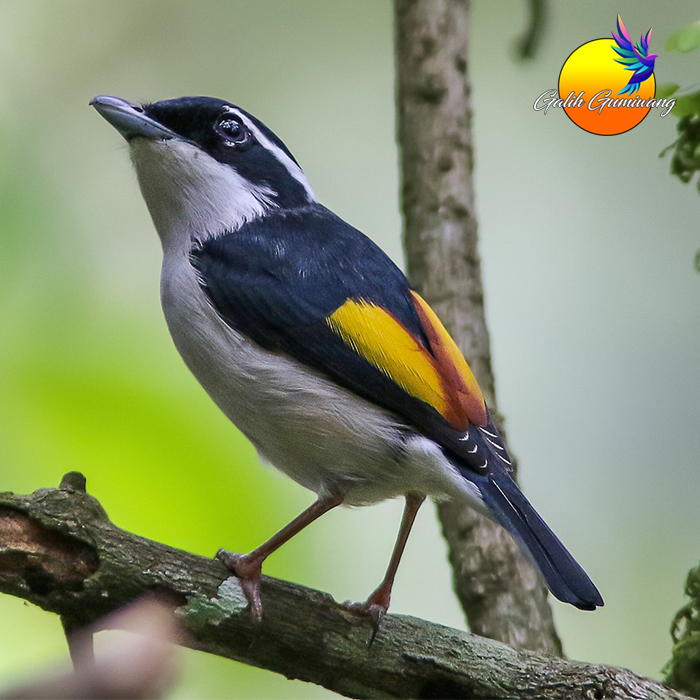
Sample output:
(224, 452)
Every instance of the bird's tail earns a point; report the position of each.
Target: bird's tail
(564, 577)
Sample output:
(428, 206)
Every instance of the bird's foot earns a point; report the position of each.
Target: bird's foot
(248, 570)
(374, 608)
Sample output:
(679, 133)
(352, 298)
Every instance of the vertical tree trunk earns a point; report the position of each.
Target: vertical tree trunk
(502, 596)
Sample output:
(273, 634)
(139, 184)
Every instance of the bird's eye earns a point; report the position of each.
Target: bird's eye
(232, 130)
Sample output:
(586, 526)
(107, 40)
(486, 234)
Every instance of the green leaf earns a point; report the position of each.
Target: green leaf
(685, 39)
(666, 90)
(686, 104)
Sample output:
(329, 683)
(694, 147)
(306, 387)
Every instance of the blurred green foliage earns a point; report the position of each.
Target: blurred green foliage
(683, 671)
(685, 39)
(685, 161)
(666, 89)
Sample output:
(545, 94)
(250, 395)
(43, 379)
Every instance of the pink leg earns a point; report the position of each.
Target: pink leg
(248, 567)
(377, 604)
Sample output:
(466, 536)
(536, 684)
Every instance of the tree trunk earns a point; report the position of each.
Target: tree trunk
(499, 590)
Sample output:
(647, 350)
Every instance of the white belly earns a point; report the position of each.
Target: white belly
(321, 435)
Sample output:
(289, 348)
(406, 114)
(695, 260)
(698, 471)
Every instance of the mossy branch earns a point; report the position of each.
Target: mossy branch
(59, 550)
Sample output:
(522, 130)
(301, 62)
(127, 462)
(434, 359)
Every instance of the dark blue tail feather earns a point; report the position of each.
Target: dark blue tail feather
(564, 577)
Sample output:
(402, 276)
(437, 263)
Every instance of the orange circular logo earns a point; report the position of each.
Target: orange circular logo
(597, 92)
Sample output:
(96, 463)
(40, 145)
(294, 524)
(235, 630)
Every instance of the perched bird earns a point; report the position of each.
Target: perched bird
(635, 58)
(312, 342)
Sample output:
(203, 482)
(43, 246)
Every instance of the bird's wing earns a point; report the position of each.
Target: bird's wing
(632, 57)
(306, 283)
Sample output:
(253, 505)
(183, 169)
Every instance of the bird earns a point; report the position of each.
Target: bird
(635, 58)
(313, 342)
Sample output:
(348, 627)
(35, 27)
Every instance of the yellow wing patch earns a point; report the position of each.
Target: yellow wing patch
(377, 336)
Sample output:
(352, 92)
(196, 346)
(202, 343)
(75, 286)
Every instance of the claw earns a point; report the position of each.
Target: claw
(248, 572)
(251, 589)
(371, 609)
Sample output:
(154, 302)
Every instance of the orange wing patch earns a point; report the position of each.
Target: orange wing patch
(443, 380)
(452, 365)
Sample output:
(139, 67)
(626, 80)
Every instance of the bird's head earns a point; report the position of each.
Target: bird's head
(205, 166)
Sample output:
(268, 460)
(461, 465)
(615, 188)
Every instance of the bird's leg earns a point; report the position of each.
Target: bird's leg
(248, 567)
(377, 604)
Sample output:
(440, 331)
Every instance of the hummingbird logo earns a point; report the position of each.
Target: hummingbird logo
(634, 57)
(596, 90)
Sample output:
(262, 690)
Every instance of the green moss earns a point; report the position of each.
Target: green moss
(230, 600)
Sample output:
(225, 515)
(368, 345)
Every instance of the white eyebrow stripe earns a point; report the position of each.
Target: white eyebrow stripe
(294, 170)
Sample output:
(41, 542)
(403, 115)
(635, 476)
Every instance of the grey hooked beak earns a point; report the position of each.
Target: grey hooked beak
(130, 120)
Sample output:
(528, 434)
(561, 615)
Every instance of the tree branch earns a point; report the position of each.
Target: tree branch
(59, 550)
(501, 594)
(527, 45)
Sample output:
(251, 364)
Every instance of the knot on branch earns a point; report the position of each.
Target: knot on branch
(73, 481)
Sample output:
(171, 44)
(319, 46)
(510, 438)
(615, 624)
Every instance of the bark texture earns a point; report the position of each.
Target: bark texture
(59, 550)
(499, 590)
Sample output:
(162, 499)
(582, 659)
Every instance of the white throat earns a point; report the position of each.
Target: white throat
(191, 195)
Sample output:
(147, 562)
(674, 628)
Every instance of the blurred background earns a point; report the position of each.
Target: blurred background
(592, 301)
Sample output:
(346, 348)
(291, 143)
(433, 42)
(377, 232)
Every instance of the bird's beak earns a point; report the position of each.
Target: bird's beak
(130, 120)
